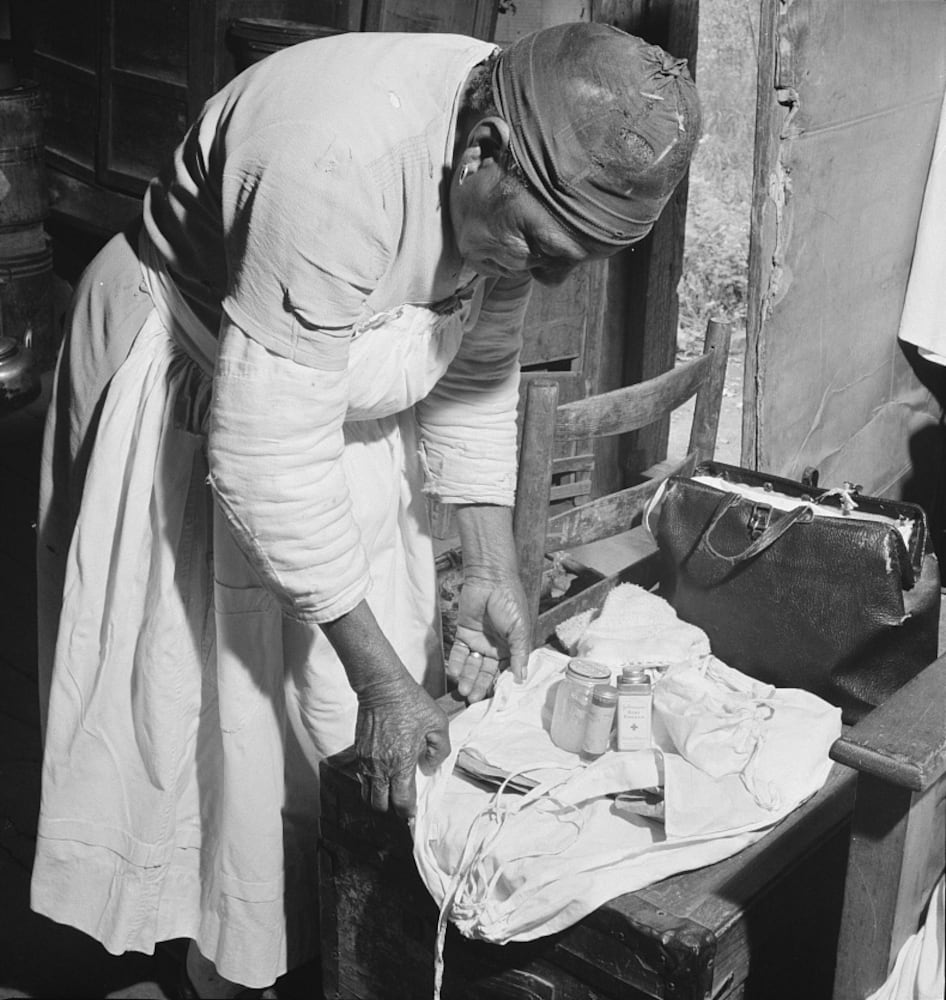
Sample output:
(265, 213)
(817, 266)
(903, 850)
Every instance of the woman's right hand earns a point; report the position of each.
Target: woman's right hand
(399, 726)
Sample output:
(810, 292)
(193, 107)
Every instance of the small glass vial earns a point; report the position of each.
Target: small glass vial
(634, 711)
(599, 721)
(572, 697)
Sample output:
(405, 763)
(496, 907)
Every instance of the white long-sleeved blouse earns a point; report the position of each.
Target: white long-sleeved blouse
(302, 221)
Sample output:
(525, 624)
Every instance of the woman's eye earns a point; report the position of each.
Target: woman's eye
(533, 249)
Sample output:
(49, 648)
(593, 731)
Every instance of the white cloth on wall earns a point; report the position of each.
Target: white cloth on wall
(919, 972)
(923, 320)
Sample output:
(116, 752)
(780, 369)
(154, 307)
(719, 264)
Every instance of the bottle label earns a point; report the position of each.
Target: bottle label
(634, 722)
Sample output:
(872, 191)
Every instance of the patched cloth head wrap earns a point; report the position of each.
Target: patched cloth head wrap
(602, 125)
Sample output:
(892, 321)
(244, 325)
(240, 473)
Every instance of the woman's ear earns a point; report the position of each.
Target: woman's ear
(490, 136)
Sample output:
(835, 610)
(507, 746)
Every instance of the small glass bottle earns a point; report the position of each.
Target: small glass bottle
(634, 711)
(599, 721)
(572, 697)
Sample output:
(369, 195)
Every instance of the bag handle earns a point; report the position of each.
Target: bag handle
(651, 506)
(771, 534)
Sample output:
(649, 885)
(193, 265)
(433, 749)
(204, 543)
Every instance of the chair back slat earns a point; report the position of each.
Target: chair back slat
(569, 491)
(607, 515)
(573, 464)
(632, 407)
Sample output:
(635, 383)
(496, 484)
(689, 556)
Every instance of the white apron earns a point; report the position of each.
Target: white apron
(186, 715)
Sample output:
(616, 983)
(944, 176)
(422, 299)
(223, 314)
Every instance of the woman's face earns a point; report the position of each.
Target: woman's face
(500, 234)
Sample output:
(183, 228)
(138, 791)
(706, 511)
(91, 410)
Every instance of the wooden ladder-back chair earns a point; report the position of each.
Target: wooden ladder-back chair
(554, 444)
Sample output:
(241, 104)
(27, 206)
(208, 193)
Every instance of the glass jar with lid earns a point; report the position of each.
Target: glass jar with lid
(572, 697)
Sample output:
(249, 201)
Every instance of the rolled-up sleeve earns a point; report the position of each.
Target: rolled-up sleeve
(275, 447)
(307, 241)
(468, 421)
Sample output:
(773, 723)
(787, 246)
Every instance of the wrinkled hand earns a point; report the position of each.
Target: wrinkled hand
(399, 726)
(493, 632)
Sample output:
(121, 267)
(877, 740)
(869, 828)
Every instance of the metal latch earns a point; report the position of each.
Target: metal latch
(758, 520)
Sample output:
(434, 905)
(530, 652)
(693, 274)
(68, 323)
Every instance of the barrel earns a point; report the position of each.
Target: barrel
(26, 301)
(252, 38)
(23, 198)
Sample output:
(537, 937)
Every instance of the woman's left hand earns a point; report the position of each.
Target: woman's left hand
(493, 632)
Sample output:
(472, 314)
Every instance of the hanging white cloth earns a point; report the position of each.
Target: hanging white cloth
(919, 972)
(923, 320)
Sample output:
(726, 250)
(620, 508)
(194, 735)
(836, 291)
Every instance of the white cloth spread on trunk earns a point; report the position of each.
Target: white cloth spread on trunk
(733, 757)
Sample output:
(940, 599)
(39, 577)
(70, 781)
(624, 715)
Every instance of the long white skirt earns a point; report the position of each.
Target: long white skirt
(186, 716)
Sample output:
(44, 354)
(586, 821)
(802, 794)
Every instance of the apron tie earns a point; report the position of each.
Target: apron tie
(186, 330)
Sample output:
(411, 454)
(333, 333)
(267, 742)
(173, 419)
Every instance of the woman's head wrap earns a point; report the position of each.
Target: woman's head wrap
(602, 125)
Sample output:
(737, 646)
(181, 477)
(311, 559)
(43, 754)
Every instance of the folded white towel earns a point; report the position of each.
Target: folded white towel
(634, 627)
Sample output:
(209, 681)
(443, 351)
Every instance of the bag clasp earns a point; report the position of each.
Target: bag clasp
(758, 520)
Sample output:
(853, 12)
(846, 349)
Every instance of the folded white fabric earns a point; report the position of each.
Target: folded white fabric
(634, 626)
(729, 725)
(515, 867)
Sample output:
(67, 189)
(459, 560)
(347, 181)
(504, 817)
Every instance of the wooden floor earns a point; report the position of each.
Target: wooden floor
(39, 958)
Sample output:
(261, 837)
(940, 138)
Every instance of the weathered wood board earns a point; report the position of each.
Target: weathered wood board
(849, 99)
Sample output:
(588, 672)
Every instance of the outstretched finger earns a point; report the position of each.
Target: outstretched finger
(484, 680)
(379, 793)
(374, 790)
(436, 750)
(520, 648)
(464, 666)
(404, 793)
(459, 651)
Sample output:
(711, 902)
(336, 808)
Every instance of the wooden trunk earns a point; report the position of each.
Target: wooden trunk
(761, 924)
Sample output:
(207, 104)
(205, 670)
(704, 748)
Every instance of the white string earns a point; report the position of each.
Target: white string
(463, 898)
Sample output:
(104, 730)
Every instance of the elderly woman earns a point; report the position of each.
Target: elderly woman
(316, 325)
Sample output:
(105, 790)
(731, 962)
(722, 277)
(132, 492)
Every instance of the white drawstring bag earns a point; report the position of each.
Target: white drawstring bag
(735, 728)
(507, 867)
